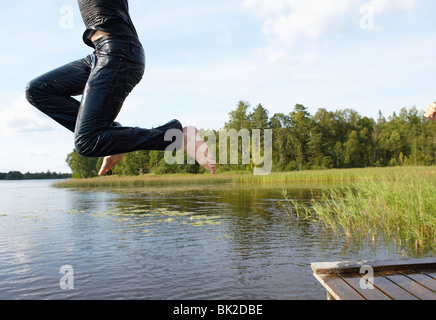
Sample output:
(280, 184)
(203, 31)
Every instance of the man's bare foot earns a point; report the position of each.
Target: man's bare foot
(195, 147)
(431, 111)
(109, 163)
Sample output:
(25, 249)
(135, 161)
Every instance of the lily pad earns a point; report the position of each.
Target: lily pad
(145, 224)
(223, 237)
(205, 217)
(206, 222)
(121, 220)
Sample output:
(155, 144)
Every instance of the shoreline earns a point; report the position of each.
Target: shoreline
(309, 176)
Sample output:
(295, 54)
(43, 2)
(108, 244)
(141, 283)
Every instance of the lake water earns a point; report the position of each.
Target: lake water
(225, 242)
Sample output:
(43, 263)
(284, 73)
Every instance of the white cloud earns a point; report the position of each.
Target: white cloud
(292, 21)
(309, 19)
(384, 6)
(264, 7)
(21, 117)
(272, 55)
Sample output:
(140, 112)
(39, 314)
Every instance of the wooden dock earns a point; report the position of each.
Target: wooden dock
(386, 280)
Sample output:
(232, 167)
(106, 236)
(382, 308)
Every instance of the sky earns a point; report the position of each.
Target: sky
(204, 56)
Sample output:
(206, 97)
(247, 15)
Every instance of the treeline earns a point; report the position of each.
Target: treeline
(301, 141)
(17, 175)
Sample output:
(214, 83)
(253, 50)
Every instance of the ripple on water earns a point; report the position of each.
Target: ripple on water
(225, 243)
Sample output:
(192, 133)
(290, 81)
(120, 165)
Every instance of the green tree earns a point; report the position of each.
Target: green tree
(135, 163)
(329, 139)
(352, 150)
(379, 153)
(14, 175)
(300, 133)
(281, 126)
(259, 118)
(82, 167)
(238, 120)
(239, 117)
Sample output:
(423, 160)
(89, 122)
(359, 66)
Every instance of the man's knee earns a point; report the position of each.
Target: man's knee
(85, 146)
(35, 91)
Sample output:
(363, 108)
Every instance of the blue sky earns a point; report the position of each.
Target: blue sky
(204, 56)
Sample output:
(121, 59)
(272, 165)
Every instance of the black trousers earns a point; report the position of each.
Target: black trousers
(104, 79)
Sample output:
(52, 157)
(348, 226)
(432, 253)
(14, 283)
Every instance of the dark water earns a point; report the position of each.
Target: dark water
(221, 242)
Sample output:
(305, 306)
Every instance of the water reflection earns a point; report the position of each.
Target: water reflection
(226, 242)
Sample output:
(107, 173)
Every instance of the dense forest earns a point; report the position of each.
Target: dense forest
(17, 175)
(301, 141)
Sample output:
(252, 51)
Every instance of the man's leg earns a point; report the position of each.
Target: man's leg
(194, 146)
(52, 93)
(104, 85)
(110, 82)
(109, 162)
(199, 152)
(431, 111)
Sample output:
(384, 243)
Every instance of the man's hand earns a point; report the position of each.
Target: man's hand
(431, 111)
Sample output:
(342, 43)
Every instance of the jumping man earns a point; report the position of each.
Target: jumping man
(105, 79)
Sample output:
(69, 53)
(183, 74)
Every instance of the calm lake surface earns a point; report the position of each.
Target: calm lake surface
(210, 242)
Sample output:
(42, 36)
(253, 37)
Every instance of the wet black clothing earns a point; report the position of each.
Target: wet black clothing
(108, 16)
(104, 79)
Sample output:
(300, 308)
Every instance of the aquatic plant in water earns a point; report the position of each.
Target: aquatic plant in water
(140, 217)
(401, 208)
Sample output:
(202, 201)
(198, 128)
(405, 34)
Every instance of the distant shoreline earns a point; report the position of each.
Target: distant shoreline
(17, 176)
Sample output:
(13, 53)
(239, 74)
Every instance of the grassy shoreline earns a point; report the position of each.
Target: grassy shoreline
(315, 176)
(399, 206)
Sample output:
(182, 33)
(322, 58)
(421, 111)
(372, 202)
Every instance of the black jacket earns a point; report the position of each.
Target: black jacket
(110, 16)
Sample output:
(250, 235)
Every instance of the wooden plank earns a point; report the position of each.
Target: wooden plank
(397, 280)
(409, 285)
(422, 279)
(338, 267)
(337, 288)
(391, 289)
(354, 280)
(431, 273)
(330, 296)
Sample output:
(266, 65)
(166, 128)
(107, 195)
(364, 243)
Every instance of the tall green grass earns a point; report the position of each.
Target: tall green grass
(400, 207)
(150, 180)
(244, 177)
